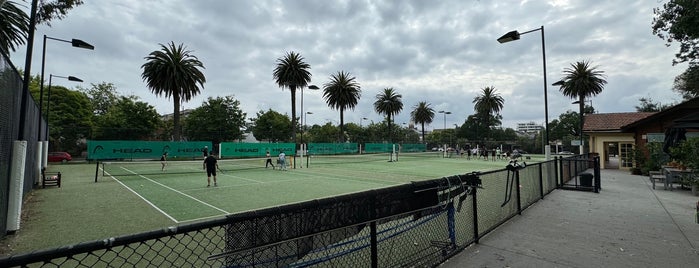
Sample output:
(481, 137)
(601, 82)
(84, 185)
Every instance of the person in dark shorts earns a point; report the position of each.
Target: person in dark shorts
(163, 161)
(269, 161)
(205, 151)
(210, 164)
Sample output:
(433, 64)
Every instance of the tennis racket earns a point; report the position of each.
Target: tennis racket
(219, 169)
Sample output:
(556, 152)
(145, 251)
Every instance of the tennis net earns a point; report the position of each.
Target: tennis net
(126, 168)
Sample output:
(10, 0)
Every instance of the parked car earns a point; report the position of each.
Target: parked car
(565, 153)
(59, 157)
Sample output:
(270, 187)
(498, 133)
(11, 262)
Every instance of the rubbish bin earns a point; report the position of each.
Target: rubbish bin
(586, 179)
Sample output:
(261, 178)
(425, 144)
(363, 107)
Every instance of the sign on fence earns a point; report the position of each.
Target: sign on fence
(332, 148)
(243, 150)
(98, 150)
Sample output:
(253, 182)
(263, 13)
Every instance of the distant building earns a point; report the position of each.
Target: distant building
(183, 114)
(529, 127)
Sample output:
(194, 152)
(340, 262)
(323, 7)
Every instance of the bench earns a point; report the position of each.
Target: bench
(656, 175)
(50, 178)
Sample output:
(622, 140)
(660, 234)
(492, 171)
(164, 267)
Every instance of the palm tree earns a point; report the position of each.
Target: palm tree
(581, 81)
(174, 71)
(292, 72)
(389, 103)
(489, 102)
(14, 26)
(422, 113)
(340, 93)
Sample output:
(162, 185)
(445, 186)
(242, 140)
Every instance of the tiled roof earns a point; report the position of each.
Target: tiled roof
(611, 121)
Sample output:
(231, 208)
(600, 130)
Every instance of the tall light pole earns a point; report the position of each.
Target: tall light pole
(44, 159)
(445, 119)
(305, 121)
(514, 35)
(75, 43)
(311, 87)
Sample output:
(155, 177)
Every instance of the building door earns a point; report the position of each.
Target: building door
(626, 155)
(611, 155)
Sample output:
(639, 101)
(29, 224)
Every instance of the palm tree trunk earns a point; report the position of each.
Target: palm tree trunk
(342, 123)
(176, 117)
(292, 88)
(390, 137)
(423, 132)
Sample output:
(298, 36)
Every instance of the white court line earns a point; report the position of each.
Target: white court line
(144, 199)
(227, 175)
(177, 191)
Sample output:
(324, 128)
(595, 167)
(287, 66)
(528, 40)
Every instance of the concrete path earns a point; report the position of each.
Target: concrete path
(628, 224)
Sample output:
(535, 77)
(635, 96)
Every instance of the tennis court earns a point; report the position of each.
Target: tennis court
(180, 191)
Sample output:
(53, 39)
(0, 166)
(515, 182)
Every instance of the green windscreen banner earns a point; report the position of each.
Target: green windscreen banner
(98, 150)
(245, 150)
(413, 147)
(332, 148)
(378, 147)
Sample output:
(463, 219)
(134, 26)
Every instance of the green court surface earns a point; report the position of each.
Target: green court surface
(181, 194)
(136, 197)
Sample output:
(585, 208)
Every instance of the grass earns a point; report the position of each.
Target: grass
(82, 210)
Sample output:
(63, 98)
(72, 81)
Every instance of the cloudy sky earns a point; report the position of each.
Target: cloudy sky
(441, 52)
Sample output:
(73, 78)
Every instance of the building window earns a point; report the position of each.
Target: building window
(626, 155)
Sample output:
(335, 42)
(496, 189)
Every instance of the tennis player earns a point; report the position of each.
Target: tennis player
(269, 161)
(205, 151)
(282, 161)
(163, 161)
(210, 164)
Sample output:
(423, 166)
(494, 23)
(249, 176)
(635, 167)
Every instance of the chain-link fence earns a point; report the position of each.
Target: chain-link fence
(10, 127)
(418, 225)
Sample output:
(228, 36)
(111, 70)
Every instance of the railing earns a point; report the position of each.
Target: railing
(419, 224)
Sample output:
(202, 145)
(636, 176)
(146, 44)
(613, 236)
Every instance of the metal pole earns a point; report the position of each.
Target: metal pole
(41, 89)
(27, 69)
(546, 102)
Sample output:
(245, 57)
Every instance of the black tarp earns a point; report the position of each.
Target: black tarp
(677, 132)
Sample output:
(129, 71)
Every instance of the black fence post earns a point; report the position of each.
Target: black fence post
(475, 215)
(519, 196)
(97, 169)
(541, 179)
(372, 233)
(598, 180)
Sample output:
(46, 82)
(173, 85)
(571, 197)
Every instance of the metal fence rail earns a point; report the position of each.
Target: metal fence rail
(419, 224)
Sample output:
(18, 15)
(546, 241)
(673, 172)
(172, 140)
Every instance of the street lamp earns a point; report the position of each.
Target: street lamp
(360, 121)
(311, 87)
(514, 35)
(305, 121)
(445, 120)
(48, 109)
(75, 43)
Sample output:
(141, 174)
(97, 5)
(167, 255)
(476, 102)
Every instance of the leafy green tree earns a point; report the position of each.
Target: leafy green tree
(14, 26)
(56, 9)
(292, 72)
(103, 96)
(174, 72)
(271, 126)
(687, 83)
(127, 119)
(341, 93)
(678, 21)
(218, 119)
(647, 105)
(422, 114)
(488, 104)
(565, 126)
(388, 103)
(324, 133)
(70, 120)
